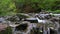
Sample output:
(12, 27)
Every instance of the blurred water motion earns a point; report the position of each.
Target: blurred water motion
(39, 24)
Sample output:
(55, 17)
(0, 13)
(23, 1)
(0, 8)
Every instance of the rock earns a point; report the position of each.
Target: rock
(3, 26)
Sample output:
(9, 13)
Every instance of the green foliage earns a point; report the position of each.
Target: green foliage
(6, 7)
(10, 7)
(56, 11)
(43, 4)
